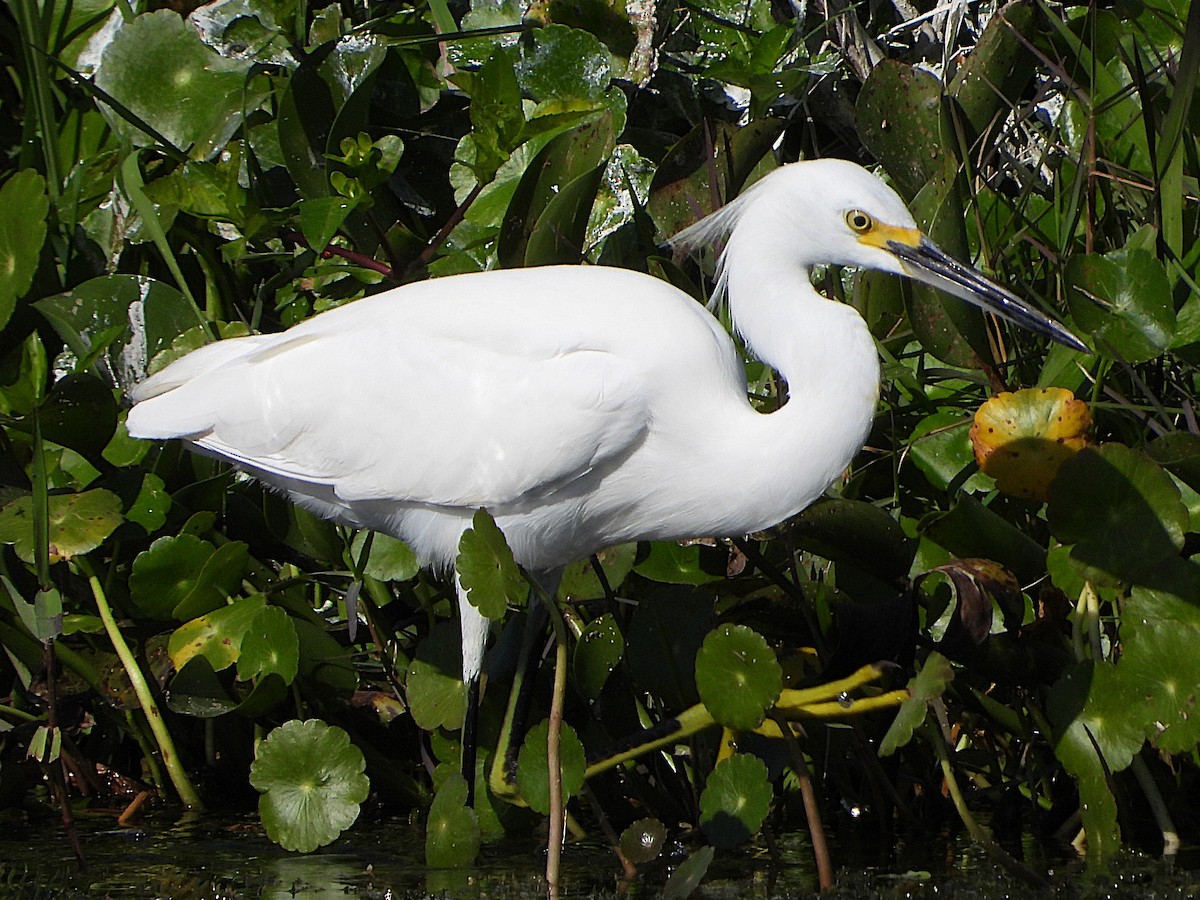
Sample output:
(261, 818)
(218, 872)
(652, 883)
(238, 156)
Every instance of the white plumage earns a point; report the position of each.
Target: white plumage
(582, 406)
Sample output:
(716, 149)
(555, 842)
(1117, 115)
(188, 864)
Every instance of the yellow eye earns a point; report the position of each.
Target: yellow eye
(859, 221)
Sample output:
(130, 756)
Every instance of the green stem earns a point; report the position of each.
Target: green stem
(166, 746)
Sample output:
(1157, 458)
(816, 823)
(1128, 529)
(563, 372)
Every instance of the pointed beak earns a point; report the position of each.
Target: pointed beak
(923, 260)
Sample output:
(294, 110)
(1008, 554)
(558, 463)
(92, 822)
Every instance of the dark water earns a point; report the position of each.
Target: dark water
(222, 860)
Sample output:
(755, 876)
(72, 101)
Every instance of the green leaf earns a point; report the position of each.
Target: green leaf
(580, 582)
(486, 568)
(269, 646)
(597, 652)
(452, 832)
(217, 636)
(390, 559)
(672, 563)
(122, 320)
(79, 413)
(43, 617)
(941, 449)
(687, 877)
(321, 217)
(642, 842)
(79, 523)
(735, 801)
(928, 684)
(564, 64)
(738, 676)
(151, 505)
(24, 207)
(1123, 299)
(312, 782)
(1122, 511)
(434, 687)
(183, 576)
(532, 767)
(855, 533)
(157, 67)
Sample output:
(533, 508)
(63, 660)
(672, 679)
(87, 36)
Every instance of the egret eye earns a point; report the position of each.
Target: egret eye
(859, 221)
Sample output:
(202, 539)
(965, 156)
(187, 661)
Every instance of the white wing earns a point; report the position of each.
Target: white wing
(431, 393)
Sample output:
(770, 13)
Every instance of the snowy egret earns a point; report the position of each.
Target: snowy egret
(581, 406)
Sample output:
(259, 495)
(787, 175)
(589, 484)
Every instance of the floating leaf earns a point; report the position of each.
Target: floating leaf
(452, 832)
(736, 800)
(672, 563)
(1021, 439)
(312, 782)
(269, 646)
(486, 569)
(24, 206)
(642, 842)
(532, 767)
(738, 676)
(79, 523)
(151, 505)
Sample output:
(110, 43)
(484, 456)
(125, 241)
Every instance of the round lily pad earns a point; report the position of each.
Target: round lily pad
(1022, 438)
(452, 832)
(486, 569)
(642, 842)
(312, 782)
(738, 676)
(735, 801)
(532, 773)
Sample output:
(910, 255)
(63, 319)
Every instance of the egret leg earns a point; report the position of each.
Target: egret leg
(474, 627)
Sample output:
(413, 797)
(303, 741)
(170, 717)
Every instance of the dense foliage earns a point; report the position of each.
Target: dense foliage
(173, 176)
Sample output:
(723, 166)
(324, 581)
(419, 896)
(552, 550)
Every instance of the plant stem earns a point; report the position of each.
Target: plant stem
(812, 810)
(166, 747)
(1154, 797)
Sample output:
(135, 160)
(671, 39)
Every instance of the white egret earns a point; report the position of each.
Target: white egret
(581, 406)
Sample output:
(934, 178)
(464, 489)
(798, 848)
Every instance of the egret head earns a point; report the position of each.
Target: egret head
(834, 212)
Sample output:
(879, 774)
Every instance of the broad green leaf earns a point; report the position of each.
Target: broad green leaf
(121, 320)
(856, 533)
(183, 576)
(672, 563)
(1091, 745)
(434, 687)
(642, 842)
(972, 530)
(486, 569)
(564, 64)
(196, 690)
(269, 646)
(79, 413)
(390, 559)
(928, 684)
(23, 210)
(452, 832)
(532, 766)
(43, 617)
(217, 636)
(325, 666)
(24, 370)
(940, 446)
(735, 801)
(687, 877)
(497, 117)
(738, 676)
(157, 67)
(79, 523)
(580, 582)
(312, 782)
(1123, 299)
(321, 217)
(597, 652)
(1122, 511)
(151, 505)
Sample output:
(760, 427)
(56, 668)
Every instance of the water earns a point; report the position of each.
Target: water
(208, 858)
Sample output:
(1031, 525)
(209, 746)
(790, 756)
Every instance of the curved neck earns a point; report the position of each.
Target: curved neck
(828, 358)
